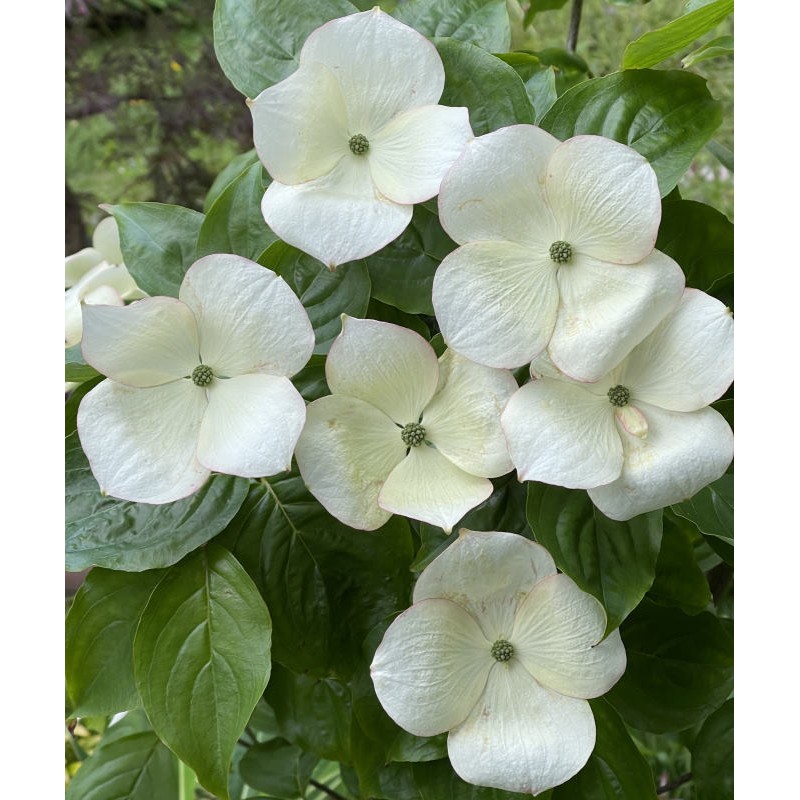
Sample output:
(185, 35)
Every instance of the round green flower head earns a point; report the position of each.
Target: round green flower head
(502, 650)
(413, 434)
(561, 252)
(619, 395)
(202, 375)
(359, 144)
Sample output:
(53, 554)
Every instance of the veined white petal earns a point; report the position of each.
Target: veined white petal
(345, 453)
(409, 157)
(78, 264)
(431, 667)
(463, 419)
(495, 302)
(488, 573)
(683, 452)
(560, 433)
(300, 125)
(105, 239)
(147, 343)
(251, 425)
(556, 636)
(141, 442)
(429, 487)
(687, 361)
(607, 309)
(521, 737)
(336, 218)
(248, 318)
(494, 191)
(389, 367)
(89, 290)
(383, 66)
(605, 197)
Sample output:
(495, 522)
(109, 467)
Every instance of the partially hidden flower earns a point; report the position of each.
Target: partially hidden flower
(402, 432)
(96, 275)
(642, 437)
(556, 252)
(355, 137)
(503, 652)
(196, 384)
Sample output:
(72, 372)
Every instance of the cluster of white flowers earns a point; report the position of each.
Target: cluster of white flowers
(556, 268)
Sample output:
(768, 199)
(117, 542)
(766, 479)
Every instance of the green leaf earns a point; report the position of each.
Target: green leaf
(278, 768)
(723, 154)
(232, 170)
(667, 116)
(258, 42)
(325, 294)
(655, 46)
(570, 69)
(616, 770)
(201, 660)
(234, 223)
(541, 5)
(99, 640)
(407, 747)
(75, 367)
(436, 780)
(484, 23)
(402, 272)
(711, 509)
(540, 80)
(135, 767)
(700, 239)
(386, 313)
(74, 401)
(159, 243)
(712, 756)
(311, 381)
(489, 88)
(118, 534)
(614, 561)
(721, 46)
(680, 668)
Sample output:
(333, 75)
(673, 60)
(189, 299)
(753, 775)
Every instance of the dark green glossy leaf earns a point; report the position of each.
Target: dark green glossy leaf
(616, 770)
(436, 780)
(536, 6)
(711, 509)
(279, 769)
(311, 381)
(539, 79)
(655, 46)
(75, 367)
(325, 294)
(233, 170)
(481, 22)
(712, 756)
(489, 88)
(614, 561)
(402, 272)
(407, 747)
(201, 660)
(234, 223)
(159, 243)
(258, 42)
(667, 116)
(569, 68)
(99, 640)
(118, 534)
(680, 668)
(387, 313)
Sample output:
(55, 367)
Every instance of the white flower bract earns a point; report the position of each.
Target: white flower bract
(197, 384)
(642, 437)
(503, 652)
(556, 252)
(402, 433)
(355, 137)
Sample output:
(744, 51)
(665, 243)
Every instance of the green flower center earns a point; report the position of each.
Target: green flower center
(619, 395)
(202, 375)
(359, 144)
(561, 252)
(413, 434)
(502, 650)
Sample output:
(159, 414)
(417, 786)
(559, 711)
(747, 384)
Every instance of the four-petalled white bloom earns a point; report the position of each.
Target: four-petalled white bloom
(96, 275)
(196, 384)
(355, 137)
(642, 437)
(503, 652)
(403, 433)
(557, 252)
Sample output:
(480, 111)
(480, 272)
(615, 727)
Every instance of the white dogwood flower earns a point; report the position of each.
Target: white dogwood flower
(355, 137)
(503, 652)
(95, 275)
(557, 252)
(402, 432)
(197, 384)
(642, 437)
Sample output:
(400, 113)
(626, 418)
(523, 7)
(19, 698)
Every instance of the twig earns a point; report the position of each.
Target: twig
(327, 789)
(668, 787)
(574, 25)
